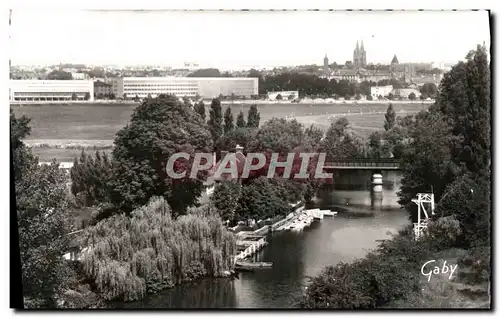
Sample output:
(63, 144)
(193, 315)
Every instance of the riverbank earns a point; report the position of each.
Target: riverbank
(295, 257)
(442, 292)
(394, 276)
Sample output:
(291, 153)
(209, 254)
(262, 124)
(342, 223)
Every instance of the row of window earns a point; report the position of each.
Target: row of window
(161, 85)
(160, 90)
(48, 93)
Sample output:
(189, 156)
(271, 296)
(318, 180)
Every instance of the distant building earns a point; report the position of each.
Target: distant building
(405, 92)
(205, 87)
(359, 56)
(102, 89)
(325, 62)
(360, 75)
(383, 91)
(78, 76)
(51, 90)
(421, 80)
(284, 95)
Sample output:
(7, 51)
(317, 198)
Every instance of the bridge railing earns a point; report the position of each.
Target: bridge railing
(375, 163)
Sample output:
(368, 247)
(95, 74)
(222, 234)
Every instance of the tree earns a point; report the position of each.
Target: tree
(157, 250)
(427, 162)
(260, 200)
(112, 96)
(228, 121)
(59, 75)
(369, 97)
(200, 109)
(239, 136)
(429, 90)
(74, 96)
(390, 118)
(125, 96)
(87, 96)
(240, 120)
(253, 117)
(312, 138)
(412, 96)
(186, 100)
(341, 141)
(225, 199)
(454, 137)
(390, 96)
(207, 72)
(41, 218)
(215, 120)
(137, 99)
(291, 97)
(465, 102)
(158, 128)
(90, 177)
(468, 200)
(279, 97)
(278, 135)
(378, 147)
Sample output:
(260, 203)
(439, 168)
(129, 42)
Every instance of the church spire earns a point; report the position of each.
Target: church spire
(362, 46)
(357, 45)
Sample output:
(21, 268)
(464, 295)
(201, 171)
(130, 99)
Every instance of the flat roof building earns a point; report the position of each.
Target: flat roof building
(285, 95)
(383, 91)
(51, 90)
(205, 87)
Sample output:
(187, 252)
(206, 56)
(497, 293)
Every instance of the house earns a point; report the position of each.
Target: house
(405, 93)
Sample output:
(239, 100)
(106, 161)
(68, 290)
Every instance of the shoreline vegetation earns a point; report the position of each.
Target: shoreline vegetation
(145, 232)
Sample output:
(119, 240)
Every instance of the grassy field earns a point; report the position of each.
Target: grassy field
(97, 124)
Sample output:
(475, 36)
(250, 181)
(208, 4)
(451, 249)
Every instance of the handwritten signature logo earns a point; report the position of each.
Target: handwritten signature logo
(443, 270)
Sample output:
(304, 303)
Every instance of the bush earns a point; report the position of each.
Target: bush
(468, 200)
(338, 287)
(443, 233)
(385, 275)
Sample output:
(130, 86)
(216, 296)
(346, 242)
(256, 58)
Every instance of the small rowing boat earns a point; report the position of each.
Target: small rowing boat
(249, 266)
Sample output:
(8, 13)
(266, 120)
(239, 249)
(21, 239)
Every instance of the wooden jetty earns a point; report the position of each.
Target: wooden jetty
(249, 245)
(328, 213)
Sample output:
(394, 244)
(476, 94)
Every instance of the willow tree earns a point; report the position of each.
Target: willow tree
(158, 128)
(129, 257)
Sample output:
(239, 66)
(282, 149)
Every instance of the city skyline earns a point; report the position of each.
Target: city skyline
(101, 38)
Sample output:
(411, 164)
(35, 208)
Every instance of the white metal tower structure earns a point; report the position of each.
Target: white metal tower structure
(421, 201)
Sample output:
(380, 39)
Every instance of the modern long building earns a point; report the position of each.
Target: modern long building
(205, 87)
(50, 90)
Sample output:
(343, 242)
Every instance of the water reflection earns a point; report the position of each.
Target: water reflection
(206, 293)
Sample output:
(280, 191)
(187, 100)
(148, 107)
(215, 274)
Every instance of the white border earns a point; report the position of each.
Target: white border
(193, 5)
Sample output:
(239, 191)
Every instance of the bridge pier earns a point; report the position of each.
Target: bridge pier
(376, 191)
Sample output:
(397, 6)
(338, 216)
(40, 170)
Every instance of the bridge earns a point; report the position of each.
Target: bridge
(362, 164)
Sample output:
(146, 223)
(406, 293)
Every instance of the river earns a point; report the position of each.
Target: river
(295, 256)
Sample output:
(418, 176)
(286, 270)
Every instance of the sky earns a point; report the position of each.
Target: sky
(241, 40)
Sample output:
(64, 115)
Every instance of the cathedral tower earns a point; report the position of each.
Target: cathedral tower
(359, 56)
